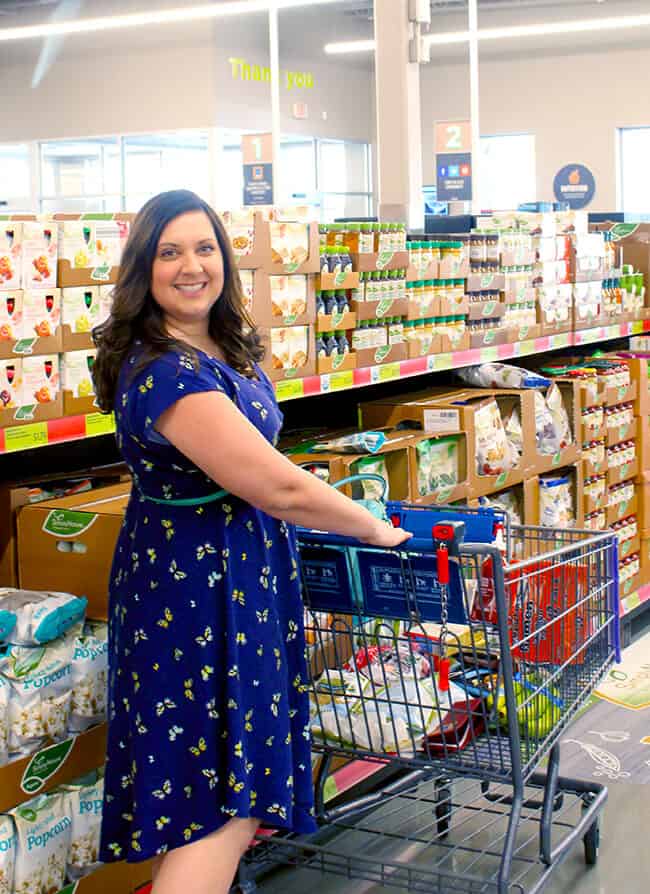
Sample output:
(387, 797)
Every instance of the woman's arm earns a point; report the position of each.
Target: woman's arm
(210, 430)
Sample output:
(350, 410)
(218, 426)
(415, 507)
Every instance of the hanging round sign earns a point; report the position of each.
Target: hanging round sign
(576, 185)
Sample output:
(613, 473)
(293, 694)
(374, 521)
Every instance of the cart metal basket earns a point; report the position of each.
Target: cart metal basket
(461, 667)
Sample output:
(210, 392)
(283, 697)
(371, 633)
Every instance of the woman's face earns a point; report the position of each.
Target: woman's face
(187, 274)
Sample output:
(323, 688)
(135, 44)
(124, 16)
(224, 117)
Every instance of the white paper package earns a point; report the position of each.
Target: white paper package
(7, 854)
(5, 694)
(40, 683)
(83, 804)
(89, 677)
(43, 830)
(31, 618)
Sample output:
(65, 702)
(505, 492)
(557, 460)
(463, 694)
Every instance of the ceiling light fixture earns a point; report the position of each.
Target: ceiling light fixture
(155, 17)
(581, 26)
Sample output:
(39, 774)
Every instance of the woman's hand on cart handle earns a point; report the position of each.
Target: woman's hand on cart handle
(386, 536)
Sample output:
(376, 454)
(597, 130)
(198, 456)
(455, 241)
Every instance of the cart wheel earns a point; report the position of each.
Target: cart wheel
(443, 811)
(592, 843)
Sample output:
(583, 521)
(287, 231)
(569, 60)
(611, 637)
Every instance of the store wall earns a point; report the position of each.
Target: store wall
(572, 103)
(174, 87)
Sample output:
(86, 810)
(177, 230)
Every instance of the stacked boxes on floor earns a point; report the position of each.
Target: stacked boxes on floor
(56, 276)
(278, 257)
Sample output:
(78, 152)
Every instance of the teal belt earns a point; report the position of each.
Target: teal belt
(187, 501)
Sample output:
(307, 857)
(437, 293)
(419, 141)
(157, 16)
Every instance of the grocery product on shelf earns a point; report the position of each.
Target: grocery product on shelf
(89, 677)
(29, 618)
(83, 800)
(39, 254)
(43, 832)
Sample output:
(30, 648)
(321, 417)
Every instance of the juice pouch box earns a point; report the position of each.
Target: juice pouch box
(76, 372)
(77, 246)
(80, 308)
(10, 255)
(40, 254)
(11, 315)
(41, 312)
(41, 379)
(11, 380)
(105, 302)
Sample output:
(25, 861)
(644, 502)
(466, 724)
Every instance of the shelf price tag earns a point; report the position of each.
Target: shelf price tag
(388, 372)
(25, 437)
(99, 424)
(289, 389)
(341, 380)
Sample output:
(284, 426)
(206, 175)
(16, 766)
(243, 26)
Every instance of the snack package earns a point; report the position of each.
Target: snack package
(31, 618)
(80, 308)
(89, 677)
(559, 415)
(40, 681)
(43, 829)
(77, 372)
(288, 295)
(363, 442)
(506, 501)
(493, 453)
(240, 226)
(83, 804)
(368, 489)
(11, 383)
(438, 465)
(247, 280)
(501, 375)
(11, 315)
(289, 244)
(5, 694)
(105, 302)
(11, 233)
(41, 312)
(556, 502)
(514, 433)
(7, 854)
(40, 254)
(41, 379)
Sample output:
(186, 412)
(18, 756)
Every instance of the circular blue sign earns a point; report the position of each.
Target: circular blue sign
(576, 185)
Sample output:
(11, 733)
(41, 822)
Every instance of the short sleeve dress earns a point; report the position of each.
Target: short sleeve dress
(208, 712)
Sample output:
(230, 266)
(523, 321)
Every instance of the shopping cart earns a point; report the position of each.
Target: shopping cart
(458, 665)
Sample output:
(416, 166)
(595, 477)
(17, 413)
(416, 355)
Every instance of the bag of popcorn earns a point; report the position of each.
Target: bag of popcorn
(31, 618)
(7, 854)
(83, 804)
(40, 684)
(89, 677)
(43, 830)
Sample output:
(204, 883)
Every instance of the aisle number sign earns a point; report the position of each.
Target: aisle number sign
(257, 156)
(453, 145)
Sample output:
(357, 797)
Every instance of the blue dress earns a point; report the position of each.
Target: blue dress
(208, 711)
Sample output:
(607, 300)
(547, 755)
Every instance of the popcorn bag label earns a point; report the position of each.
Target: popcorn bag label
(44, 765)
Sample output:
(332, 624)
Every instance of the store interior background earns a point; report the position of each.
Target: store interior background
(120, 115)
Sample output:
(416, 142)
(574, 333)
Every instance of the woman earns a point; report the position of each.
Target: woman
(208, 715)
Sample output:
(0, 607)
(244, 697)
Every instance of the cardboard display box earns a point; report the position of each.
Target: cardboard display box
(284, 300)
(639, 375)
(277, 247)
(621, 433)
(13, 496)
(643, 443)
(447, 493)
(30, 322)
(385, 354)
(486, 310)
(622, 510)
(523, 333)
(378, 310)
(370, 262)
(629, 547)
(631, 585)
(644, 577)
(532, 495)
(421, 347)
(338, 363)
(334, 281)
(290, 352)
(486, 338)
(68, 544)
(643, 498)
(334, 322)
(485, 282)
(624, 395)
(115, 878)
(592, 468)
(88, 752)
(626, 472)
(459, 343)
(90, 247)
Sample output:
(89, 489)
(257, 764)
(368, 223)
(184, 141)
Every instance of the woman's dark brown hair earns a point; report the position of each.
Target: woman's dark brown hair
(136, 315)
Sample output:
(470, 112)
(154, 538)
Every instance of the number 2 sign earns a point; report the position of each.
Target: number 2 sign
(453, 136)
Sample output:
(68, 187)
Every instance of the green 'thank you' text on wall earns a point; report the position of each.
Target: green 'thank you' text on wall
(243, 71)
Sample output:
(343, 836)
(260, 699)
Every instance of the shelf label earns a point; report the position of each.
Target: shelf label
(489, 355)
(342, 380)
(501, 480)
(44, 765)
(388, 372)
(289, 389)
(25, 345)
(25, 437)
(383, 259)
(384, 306)
(100, 424)
(102, 273)
(68, 522)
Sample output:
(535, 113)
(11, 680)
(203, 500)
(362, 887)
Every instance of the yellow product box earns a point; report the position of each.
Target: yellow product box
(11, 383)
(91, 250)
(11, 315)
(11, 233)
(41, 379)
(80, 313)
(39, 254)
(76, 372)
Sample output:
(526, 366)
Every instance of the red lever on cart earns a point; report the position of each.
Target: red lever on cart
(443, 676)
(443, 532)
(442, 561)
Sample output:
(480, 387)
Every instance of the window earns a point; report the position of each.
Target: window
(507, 175)
(344, 179)
(15, 178)
(157, 162)
(634, 188)
(81, 175)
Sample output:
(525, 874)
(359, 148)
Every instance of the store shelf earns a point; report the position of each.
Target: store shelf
(388, 372)
(55, 431)
(635, 600)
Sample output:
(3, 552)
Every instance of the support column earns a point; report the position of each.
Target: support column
(474, 103)
(399, 126)
(276, 115)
